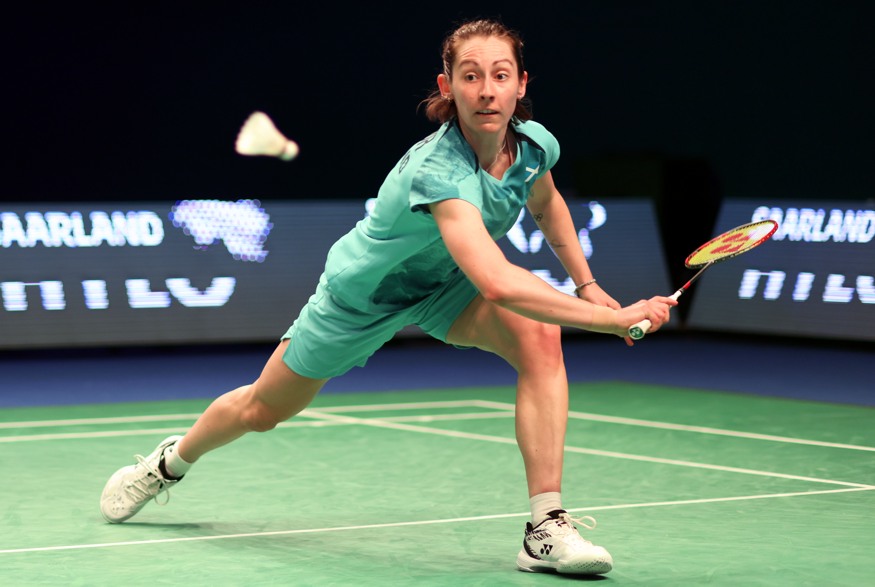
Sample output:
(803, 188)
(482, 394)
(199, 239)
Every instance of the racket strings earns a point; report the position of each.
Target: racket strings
(731, 243)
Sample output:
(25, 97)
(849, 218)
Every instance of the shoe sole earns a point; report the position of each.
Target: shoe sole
(597, 566)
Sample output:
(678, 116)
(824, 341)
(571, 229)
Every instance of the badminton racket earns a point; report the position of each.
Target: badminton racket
(730, 244)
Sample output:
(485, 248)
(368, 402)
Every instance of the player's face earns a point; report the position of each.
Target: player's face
(485, 84)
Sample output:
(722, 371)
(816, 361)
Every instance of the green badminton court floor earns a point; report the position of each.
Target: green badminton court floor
(426, 488)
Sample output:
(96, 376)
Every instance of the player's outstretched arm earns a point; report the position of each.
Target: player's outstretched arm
(517, 289)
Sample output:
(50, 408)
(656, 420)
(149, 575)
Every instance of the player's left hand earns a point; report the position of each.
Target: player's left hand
(594, 294)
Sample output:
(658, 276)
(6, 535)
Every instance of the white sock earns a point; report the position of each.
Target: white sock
(175, 465)
(544, 503)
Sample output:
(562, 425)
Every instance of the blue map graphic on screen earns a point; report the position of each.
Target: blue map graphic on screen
(243, 226)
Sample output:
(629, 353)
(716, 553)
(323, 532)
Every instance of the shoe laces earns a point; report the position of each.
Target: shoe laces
(148, 486)
(587, 522)
(566, 522)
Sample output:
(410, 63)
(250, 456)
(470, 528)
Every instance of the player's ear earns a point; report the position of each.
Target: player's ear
(443, 82)
(522, 90)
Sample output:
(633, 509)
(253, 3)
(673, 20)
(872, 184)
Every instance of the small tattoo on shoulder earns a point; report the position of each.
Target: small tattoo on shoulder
(538, 217)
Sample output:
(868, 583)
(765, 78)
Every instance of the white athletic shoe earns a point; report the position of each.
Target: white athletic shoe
(555, 545)
(131, 487)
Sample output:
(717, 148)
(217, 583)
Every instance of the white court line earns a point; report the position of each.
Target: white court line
(466, 403)
(380, 423)
(491, 405)
(417, 522)
(687, 428)
(506, 410)
(82, 435)
(109, 420)
(143, 432)
(192, 417)
(293, 424)
(397, 423)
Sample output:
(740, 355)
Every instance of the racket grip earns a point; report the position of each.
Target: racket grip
(639, 329)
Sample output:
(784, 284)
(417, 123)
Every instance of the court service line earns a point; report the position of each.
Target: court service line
(333, 419)
(107, 420)
(505, 410)
(144, 432)
(379, 423)
(58, 423)
(293, 424)
(487, 517)
(193, 417)
(688, 428)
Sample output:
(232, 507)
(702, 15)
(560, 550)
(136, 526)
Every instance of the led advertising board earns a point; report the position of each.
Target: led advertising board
(814, 278)
(203, 270)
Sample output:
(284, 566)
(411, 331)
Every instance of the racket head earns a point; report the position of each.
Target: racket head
(732, 243)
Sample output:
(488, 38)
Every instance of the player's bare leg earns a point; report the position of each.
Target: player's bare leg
(276, 396)
(551, 542)
(534, 349)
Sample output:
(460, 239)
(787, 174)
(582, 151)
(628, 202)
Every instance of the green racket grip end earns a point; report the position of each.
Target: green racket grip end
(637, 331)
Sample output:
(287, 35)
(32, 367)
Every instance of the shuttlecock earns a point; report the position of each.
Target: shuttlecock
(259, 136)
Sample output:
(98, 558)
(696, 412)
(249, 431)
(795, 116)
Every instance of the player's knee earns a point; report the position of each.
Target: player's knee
(542, 343)
(259, 417)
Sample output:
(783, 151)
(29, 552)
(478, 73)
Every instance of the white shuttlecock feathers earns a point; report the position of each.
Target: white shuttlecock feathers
(259, 136)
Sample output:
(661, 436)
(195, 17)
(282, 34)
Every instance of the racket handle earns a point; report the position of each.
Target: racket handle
(639, 329)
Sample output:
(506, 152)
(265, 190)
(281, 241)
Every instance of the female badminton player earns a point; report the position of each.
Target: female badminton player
(427, 255)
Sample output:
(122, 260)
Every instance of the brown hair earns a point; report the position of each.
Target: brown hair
(439, 109)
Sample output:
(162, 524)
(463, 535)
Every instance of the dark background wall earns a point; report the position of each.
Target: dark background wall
(690, 100)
